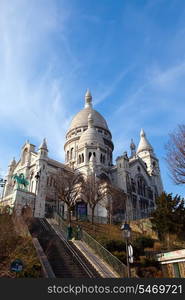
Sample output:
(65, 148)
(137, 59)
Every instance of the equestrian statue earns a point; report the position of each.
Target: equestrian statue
(21, 181)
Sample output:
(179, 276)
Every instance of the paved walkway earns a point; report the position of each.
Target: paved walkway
(101, 267)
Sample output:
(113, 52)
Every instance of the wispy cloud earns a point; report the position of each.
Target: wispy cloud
(110, 88)
(169, 78)
(157, 104)
(31, 91)
(155, 93)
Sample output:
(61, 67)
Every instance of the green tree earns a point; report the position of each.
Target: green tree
(169, 216)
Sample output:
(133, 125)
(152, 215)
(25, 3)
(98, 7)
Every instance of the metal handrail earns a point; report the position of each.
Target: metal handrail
(61, 223)
(103, 253)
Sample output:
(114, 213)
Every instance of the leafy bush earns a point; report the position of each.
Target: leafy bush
(141, 243)
(114, 245)
(149, 267)
(121, 256)
(149, 272)
(148, 262)
(27, 253)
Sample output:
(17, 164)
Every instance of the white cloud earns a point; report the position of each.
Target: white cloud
(157, 104)
(159, 92)
(31, 93)
(109, 89)
(169, 78)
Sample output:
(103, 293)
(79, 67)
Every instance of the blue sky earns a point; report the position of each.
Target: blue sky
(131, 54)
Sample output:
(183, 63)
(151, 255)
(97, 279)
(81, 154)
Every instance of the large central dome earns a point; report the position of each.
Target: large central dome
(81, 118)
(88, 134)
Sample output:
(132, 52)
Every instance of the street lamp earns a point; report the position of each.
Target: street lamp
(126, 231)
(37, 178)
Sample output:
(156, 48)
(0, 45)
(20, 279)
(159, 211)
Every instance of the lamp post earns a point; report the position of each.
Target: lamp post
(37, 178)
(126, 230)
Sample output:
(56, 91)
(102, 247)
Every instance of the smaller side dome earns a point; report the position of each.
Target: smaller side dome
(90, 136)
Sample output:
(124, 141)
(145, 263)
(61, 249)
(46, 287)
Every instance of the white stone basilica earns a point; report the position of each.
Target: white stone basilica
(88, 149)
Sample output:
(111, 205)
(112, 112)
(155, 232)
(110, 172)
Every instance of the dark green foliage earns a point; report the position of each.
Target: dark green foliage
(121, 256)
(141, 243)
(149, 267)
(114, 245)
(26, 252)
(148, 262)
(117, 248)
(144, 242)
(169, 216)
(149, 272)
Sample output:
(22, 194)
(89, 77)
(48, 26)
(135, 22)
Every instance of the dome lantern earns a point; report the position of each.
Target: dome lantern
(90, 121)
(88, 99)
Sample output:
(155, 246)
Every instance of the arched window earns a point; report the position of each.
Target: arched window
(90, 155)
(133, 185)
(24, 155)
(82, 157)
(80, 160)
(72, 153)
(101, 158)
(150, 193)
(94, 154)
(67, 155)
(141, 186)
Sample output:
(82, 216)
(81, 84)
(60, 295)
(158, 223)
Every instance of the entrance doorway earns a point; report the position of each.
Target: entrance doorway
(81, 210)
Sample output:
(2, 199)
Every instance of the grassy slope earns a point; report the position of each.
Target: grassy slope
(17, 244)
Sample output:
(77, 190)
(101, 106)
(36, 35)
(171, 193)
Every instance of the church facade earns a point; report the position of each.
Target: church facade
(88, 149)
